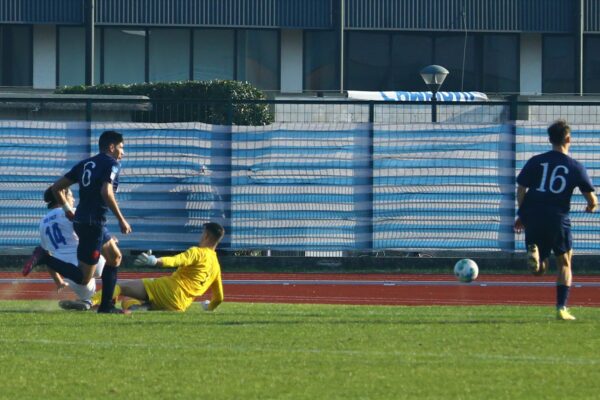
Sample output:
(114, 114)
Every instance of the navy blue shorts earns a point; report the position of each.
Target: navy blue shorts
(549, 233)
(91, 239)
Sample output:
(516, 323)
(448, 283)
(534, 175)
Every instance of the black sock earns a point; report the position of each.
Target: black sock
(109, 280)
(68, 270)
(562, 295)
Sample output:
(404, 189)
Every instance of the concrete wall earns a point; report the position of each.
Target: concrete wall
(291, 61)
(44, 57)
(531, 63)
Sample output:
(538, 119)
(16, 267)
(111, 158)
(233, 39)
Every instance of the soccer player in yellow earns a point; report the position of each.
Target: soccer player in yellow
(198, 270)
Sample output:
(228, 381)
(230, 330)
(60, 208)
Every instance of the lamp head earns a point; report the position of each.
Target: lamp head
(434, 76)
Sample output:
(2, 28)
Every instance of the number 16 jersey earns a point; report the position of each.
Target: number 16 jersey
(551, 178)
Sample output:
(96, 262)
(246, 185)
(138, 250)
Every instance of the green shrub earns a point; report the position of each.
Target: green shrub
(214, 102)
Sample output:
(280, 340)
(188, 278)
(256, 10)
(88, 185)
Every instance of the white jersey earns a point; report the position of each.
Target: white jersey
(60, 240)
(58, 237)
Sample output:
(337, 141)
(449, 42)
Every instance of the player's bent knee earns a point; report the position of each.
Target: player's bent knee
(134, 289)
(87, 272)
(112, 254)
(564, 261)
(116, 260)
(85, 280)
(125, 289)
(113, 258)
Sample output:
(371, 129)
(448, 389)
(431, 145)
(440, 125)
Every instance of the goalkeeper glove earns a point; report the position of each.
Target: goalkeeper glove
(145, 259)
(205, 305)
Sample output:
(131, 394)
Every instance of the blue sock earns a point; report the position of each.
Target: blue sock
(68, 270)
(562, 295)
(109, 280)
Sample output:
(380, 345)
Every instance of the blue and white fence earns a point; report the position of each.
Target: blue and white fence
(296, 186)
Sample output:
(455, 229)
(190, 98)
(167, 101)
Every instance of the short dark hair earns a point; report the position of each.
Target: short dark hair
(215, 230)
(109, 137)
(558, 131)
(49, 198)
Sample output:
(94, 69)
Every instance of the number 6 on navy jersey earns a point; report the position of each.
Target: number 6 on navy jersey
(86, 176)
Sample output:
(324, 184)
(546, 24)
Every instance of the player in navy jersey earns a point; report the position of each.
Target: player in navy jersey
(545, 187)
(98, 179)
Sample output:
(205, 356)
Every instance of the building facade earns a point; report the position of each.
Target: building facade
(295, 46)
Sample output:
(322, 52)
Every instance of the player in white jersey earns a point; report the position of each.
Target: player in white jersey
(60, 241)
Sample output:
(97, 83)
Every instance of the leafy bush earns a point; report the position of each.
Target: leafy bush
(218, 102)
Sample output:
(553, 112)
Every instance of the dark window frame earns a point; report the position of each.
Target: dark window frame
(234, 49)
(278, 56)
(337, 69)
(586, 38)
(31, 52)
(478, 44)
(545, 37)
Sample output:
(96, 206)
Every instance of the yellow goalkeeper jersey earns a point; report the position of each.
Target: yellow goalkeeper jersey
(198, 270)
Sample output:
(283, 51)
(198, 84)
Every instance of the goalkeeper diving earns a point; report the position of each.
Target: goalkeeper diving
(197, 271)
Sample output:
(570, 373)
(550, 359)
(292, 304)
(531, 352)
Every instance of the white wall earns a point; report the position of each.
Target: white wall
(44, 57)
(291, 61)
(531, 63)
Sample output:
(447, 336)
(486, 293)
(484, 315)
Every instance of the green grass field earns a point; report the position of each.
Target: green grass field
(272, 351)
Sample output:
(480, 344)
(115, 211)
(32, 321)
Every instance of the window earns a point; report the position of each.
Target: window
(16, 53)
(500, 63)
(258, 58)
(369, 61)
(124, 55)
(71, 56)
(392, 61)
(213, 54)
(321, 55)
(558, 64)
(410, 54)
(169, 58)
(449, 53)
(591, 64)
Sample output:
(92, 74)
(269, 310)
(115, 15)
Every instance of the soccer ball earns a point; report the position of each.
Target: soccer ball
(466, 270)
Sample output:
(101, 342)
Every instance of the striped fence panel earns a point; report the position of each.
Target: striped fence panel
(306, 187)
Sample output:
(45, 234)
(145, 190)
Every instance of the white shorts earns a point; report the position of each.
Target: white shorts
(85, 292)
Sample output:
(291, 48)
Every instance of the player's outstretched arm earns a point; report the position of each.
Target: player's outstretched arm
(518, 226)
(217, 295)
(108, 196)
(147, 259)
(521, 191)
(592, 201)
(58, 188)
(58, 280)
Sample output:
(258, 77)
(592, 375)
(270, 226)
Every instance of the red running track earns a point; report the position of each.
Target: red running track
(382, 289)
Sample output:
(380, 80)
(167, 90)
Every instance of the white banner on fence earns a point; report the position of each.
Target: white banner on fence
(416, 96)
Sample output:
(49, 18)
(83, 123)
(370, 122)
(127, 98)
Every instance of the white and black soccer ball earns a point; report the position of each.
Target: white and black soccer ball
(466, 270)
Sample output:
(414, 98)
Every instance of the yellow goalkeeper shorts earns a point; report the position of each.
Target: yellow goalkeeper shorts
(165, 294)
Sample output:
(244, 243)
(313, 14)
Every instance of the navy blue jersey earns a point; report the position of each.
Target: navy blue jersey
(91, 174)
(551, 178)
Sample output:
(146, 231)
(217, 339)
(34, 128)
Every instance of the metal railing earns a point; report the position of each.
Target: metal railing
(351, 185)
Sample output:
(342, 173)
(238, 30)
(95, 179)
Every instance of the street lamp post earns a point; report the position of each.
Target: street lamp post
(89, 41)
(434, 76)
